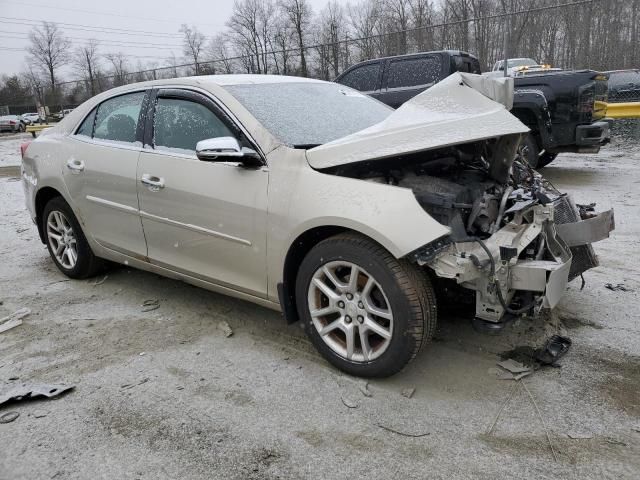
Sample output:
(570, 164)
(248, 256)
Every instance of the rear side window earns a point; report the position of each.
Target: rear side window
(86, 128)
(117, 118)
(364, 78)
(181, 124)
(413, 72)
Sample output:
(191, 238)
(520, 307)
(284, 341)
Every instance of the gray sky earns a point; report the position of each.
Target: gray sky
(160, 21)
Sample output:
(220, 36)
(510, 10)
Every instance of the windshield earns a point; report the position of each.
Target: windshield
(307, 114)
(517, 62)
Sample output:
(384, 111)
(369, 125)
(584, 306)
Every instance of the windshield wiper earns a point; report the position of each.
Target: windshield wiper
(306, 146)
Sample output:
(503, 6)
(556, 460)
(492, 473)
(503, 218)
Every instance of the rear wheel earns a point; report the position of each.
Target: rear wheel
(66, 243)
(365, 311)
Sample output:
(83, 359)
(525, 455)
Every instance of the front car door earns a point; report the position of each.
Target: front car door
(405, 78)
(203, 219)
(100, 172)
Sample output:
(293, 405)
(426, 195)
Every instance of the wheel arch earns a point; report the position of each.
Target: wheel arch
(299, 249)
(43, 197)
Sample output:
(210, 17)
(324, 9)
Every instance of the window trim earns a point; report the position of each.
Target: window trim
(202, 97)
(101, 141)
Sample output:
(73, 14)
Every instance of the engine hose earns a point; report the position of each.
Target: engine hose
(496, 282)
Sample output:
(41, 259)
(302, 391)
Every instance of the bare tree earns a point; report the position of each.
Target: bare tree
(193, 45)
(37, 83)
(49, 49)
(299, 15)
(119, 67)
(86, 63)
(219, 52)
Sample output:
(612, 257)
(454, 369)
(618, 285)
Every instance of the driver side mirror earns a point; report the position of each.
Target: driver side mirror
(226, 149)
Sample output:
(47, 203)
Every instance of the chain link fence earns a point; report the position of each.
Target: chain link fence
(624, 86)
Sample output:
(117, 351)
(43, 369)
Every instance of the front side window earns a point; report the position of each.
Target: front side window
(413, 72)
(117, 118)
(364, 78)
(181, 124)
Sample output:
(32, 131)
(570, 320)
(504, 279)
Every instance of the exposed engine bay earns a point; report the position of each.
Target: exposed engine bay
(514, 238)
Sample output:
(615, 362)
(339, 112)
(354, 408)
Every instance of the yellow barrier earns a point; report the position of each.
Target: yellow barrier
(36, 128)
(623, 110)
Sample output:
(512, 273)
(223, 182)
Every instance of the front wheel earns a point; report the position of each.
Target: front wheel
(66, 243)
(528, 150)
(366, 312)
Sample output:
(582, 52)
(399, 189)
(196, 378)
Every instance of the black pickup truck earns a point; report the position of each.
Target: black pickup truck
(563, 109)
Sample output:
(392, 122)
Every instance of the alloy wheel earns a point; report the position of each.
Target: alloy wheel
(62, 239)
(350, 311)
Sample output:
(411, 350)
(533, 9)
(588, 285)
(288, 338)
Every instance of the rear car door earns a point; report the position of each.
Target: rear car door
(405, 77)
(200, 218)
(100, 172)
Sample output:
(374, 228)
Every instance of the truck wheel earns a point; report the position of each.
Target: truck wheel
(545, 159)
(366, 312)
(66, 243)
(529, 151)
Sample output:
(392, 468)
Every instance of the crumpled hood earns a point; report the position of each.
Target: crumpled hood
(462, 108)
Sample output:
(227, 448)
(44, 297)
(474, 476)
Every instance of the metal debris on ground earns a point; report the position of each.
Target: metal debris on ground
(8, 417)
(404, 434)
(349, 403)
(408, 392)
(618, 287)
(13, 320)
(579, 436)
(29, 392)
(226, 328)
(149, 305)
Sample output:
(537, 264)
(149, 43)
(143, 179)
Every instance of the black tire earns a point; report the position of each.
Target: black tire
(529, 151)
(410, 295)
(87, 264)
(545, 159)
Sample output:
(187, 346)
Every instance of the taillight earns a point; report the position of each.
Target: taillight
(586, 99)
(23, 148)
(12, 122)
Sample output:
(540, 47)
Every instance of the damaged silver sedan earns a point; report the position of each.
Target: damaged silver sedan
(313, 199)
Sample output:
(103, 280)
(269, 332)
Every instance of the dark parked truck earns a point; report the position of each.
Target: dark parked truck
(564, 110)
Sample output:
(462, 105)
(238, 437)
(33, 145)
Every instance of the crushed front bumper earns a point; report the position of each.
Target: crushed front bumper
(535, 255)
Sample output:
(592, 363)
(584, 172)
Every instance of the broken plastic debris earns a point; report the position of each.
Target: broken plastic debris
(8, 417)
(408, 392)
(365, 390)
(514, 367)
(13, 320)
(226, 328)
(149, 305)
(348, 403)
(553, 350)
(28, 392)
(617, 287)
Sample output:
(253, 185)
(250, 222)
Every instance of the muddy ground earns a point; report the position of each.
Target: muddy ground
(165, 394)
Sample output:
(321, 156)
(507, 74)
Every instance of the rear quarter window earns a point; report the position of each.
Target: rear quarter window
(363, 78)
(413, 72)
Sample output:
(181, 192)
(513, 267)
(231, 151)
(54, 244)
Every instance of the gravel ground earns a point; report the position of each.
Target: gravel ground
(165, 394)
